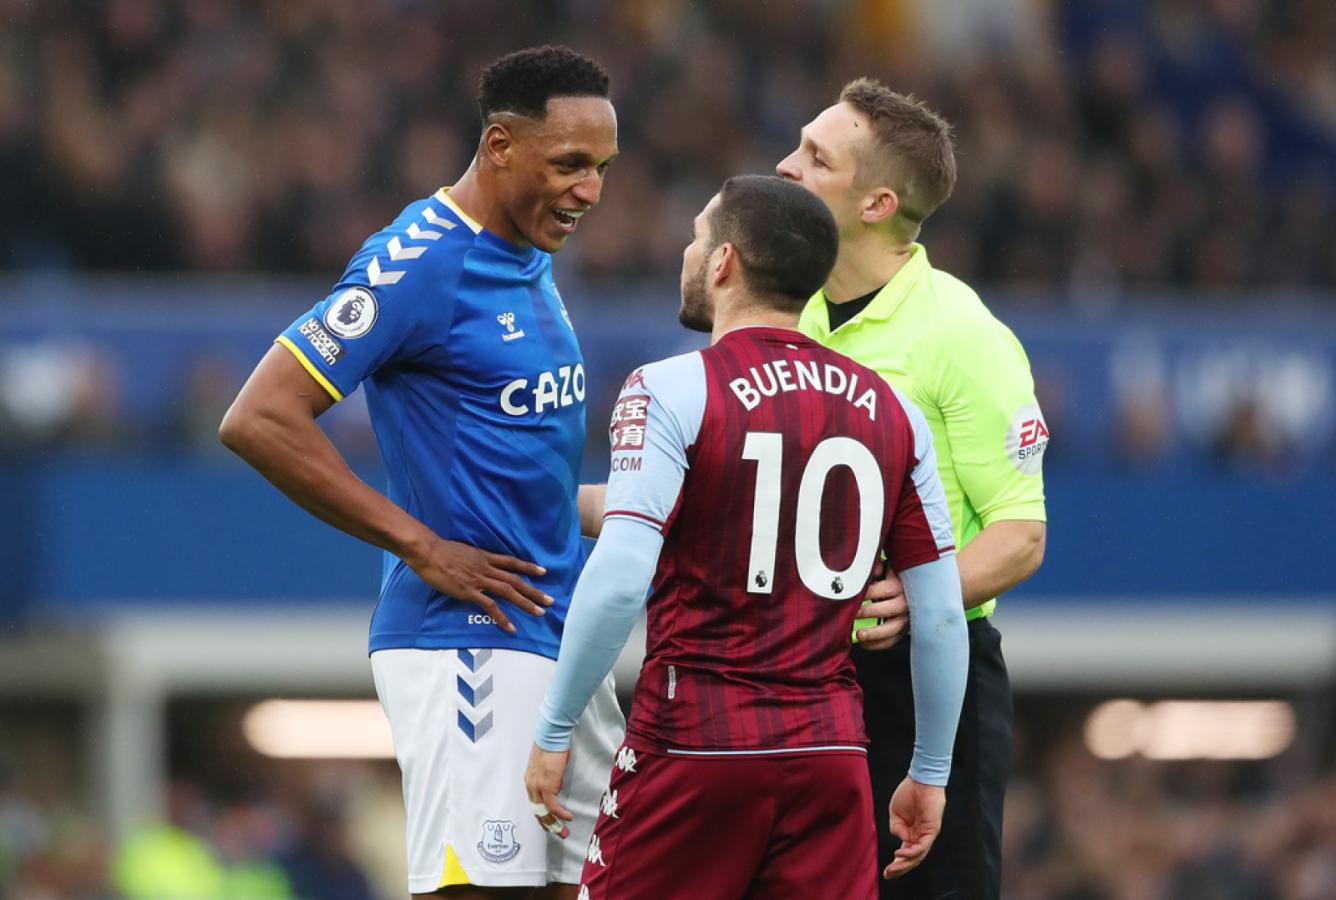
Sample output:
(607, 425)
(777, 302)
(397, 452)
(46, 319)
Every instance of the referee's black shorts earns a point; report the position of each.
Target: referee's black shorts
(965, 862)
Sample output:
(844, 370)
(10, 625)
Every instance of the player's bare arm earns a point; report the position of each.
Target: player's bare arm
(272, 425)
(592, 500)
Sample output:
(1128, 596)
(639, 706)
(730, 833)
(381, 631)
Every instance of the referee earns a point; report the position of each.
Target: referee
(883, 162)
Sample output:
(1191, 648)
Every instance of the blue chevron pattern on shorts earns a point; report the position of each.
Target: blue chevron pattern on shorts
(475, 659)
(474, 696)
(474, 732)
(476, 693)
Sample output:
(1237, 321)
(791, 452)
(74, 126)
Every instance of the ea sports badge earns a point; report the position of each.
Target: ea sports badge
(352, 313)
(1027, 438)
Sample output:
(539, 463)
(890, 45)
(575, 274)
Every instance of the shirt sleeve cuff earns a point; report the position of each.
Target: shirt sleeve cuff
(1031, 511)
(550, 737)
(310, 367)
(634, 516)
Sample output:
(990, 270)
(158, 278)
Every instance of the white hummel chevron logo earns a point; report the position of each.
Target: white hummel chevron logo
(438, 220)
(377, 277)
(421, 234)
(584, 893)
(609, 805)
(626, 760)
(595, 853)
(398, 251)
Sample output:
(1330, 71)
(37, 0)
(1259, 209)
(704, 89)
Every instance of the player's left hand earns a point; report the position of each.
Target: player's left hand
(542, 781)
(886, 601)
(916, 819)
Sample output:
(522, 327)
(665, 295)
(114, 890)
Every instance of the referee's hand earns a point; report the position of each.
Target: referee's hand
(476, 576)
(916, 819)
(886, 601)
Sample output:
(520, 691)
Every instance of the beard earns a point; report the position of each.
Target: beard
(696, 313)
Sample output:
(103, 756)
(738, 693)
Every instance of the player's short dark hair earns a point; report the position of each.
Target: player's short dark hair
(784, 235)
(911, 149)
(522, 82)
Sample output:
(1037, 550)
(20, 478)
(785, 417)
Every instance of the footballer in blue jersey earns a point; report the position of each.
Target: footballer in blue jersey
(476, 390)
(450, 320)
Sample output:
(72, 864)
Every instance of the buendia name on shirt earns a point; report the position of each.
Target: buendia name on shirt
(775, 377)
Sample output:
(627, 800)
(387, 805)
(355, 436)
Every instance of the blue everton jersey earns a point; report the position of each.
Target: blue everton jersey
(476, 389)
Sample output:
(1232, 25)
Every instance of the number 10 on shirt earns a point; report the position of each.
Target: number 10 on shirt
(767, 449)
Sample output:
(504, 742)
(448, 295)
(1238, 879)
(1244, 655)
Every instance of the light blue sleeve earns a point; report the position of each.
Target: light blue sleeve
(608, 600)
(938, 660)
(656, 420)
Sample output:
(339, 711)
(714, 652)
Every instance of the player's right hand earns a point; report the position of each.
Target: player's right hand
(469, 574)
(885, 600)
(542, 782)
(916, 819)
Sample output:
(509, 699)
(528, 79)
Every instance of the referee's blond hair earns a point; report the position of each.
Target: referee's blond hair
(910, 148)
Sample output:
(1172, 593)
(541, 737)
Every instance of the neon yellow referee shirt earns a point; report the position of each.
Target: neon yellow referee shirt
(932, 338)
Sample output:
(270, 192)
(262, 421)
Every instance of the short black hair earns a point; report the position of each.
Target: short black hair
(522, 82)
(785, 237)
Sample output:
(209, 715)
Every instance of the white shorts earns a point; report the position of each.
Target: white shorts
(463, 724)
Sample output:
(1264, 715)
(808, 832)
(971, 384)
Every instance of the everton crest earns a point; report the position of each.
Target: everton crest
(498, 842)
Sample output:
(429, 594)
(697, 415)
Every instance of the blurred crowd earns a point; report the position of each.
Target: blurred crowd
(1077, 829)
(71, 395)
(1102, 143)
(273, 843)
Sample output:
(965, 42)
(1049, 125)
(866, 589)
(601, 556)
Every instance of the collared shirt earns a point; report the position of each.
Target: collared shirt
(930, 336)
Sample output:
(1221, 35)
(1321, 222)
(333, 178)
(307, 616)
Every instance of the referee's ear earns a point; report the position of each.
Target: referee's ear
(879, 205)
